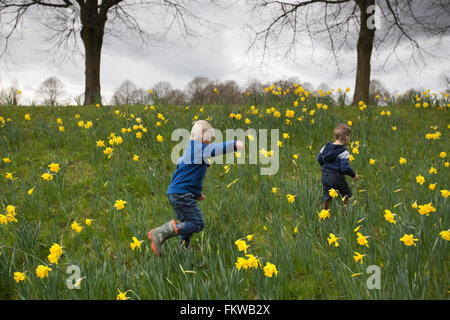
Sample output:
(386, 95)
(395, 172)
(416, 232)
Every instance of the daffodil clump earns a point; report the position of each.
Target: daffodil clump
(251, 262)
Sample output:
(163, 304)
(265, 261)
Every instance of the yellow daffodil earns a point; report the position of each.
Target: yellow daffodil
(445, 235)
(42, 271)
(9, 175)
(30, 192)
(324, 214)
(47, 176)
(332, 239)
(290, 198)
(242, 245)
(408, 240)
(121, 295)
(420, 179)
(290, 113)
(425, 209)
(233, 182)
(19, 276)
(76, 227)
(54, 167)
(88, 124)
(135, 243)
(253, 262)
(241, 262)
(389, 216)
(120, 204)
(270, 269)
(358, 257)
(362, 240)
(333, 193)
(3, 219)
(108, 151)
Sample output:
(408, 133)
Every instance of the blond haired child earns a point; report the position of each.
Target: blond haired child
(185, 189)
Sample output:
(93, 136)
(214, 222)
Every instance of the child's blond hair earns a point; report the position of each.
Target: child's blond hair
(202, 131)
(341, 131)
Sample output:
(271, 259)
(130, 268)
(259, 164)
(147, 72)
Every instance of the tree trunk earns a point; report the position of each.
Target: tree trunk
(364, 53)
(92, 31)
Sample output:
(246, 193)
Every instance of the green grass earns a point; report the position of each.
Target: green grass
(88, 185)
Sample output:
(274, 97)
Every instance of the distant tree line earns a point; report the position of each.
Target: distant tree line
(199, 91)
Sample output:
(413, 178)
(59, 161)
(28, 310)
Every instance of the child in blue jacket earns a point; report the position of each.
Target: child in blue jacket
(334, 160)
(185, 189)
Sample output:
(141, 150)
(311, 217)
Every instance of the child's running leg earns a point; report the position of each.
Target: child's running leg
(325, 192)
(189, 214)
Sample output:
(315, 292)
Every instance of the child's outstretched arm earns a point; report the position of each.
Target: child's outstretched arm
(217, 149)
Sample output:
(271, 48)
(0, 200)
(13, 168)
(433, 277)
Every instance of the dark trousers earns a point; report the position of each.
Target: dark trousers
(332, 180)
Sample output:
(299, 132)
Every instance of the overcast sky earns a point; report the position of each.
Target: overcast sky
(219, 55)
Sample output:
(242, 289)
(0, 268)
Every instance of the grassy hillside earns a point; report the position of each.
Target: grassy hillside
(290, 236)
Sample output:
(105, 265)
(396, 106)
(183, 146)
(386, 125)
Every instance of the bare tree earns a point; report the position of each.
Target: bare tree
(323, 86)
(445, 78)
(342, 23)
(92, 19)
(126, 94)
(11, 95)
(229, 93)
(377, 88)
(142, 97)
(176, 97)
(161, 91)
(254, 86)
(196, 90)
(51, 90)
(308, 86)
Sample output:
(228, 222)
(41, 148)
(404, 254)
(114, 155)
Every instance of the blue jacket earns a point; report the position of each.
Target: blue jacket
(335, 158)
(191, 167)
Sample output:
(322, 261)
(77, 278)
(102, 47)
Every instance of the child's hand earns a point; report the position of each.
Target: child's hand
(239, 145)
(202, 197)
(355, 177)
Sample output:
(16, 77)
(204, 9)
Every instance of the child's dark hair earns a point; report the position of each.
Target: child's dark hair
(341, 131)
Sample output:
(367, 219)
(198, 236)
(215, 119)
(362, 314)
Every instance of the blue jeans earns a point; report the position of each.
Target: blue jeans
(188, 212)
